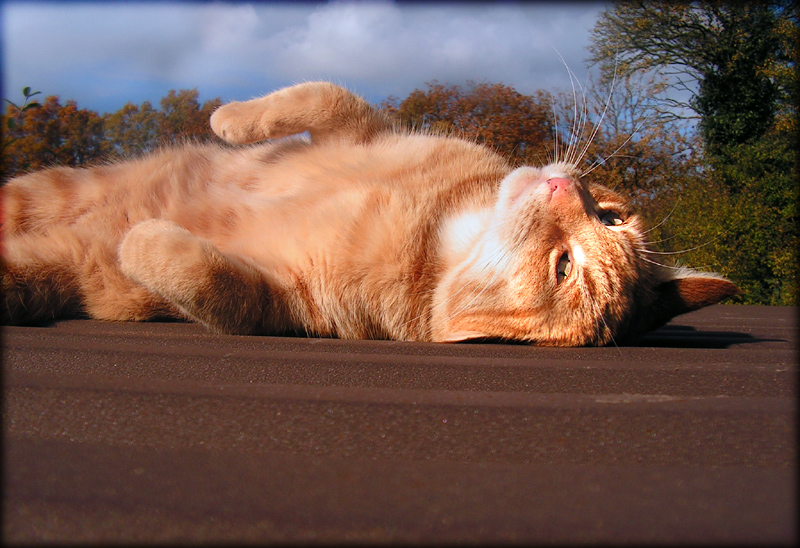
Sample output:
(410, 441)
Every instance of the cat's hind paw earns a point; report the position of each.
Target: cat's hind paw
(224, 293)
(156, 250)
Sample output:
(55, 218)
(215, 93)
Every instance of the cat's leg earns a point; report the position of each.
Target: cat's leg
(65, 273)
(38, 282)
(226, 294)
(324, 110)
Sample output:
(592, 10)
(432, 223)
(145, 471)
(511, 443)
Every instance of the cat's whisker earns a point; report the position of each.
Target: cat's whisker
(539, 158)
(599, 163)
(647, 243)
(578, 156)
(600, 121)
(555, 134)
(573, 138)
(660, 264)
(676, 267)
(577, 122)
(682, 251)
(708, 267)
(591, 138)
(664, 220)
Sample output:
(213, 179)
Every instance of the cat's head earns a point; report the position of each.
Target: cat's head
(559, 262)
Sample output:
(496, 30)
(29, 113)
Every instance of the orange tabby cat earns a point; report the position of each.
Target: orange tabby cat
(363, 231)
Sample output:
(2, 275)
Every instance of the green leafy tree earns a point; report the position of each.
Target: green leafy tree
(735, 61)
(701, 46)
(183, 117)
(737, 99)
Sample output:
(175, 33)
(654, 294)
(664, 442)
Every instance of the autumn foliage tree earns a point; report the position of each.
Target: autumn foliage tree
(516, 125)
(136, 129)
(56, 134)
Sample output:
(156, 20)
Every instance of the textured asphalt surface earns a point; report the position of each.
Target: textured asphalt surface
(167, 433)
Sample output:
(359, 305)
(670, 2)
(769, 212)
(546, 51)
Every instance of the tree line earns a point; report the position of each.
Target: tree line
(715, 174)
(53, 133)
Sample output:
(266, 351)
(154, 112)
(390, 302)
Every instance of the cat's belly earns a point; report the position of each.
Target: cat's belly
(351, 236)
(291, 230)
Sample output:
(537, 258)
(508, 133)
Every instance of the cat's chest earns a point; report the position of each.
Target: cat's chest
(468, 240)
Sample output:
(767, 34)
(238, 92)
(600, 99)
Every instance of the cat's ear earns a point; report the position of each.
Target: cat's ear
(688, 291)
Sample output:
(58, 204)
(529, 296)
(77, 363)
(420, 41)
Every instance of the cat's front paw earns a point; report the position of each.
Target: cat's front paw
(234, 123)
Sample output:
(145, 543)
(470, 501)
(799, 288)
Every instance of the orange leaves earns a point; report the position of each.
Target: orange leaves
(53, 134)
(56, 134)
(518, 126)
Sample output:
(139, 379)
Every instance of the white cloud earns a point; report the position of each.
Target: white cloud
(346, 39)
(226, 28)
(399, 48)
(103, 55)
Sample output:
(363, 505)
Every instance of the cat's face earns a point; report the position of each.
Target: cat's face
(559, 263)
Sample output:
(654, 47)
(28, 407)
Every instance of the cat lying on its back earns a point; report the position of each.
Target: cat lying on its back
(362, 232)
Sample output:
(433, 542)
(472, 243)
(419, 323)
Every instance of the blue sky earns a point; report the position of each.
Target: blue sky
(104, 54)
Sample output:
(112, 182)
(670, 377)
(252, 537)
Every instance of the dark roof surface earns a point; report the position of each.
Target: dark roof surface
(166, 432)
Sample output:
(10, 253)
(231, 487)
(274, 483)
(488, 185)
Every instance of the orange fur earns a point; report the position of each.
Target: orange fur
(362, 232)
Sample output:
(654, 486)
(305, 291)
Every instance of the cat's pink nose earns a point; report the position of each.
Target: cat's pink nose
(558, 186)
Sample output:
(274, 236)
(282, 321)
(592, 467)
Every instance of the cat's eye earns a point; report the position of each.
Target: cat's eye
(611, 218)
(563, 268)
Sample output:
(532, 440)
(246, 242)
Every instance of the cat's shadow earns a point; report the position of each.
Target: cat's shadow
(668, 336)
(685, 336)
